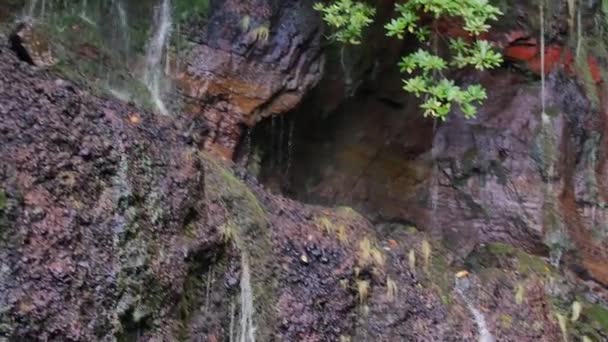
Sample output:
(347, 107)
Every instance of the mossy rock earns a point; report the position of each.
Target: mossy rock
(598, 315)
(439, 274)
(500, 255)
(250, 233)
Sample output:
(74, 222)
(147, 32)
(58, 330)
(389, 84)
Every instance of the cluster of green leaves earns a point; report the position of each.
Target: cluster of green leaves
(348, 18)
(426, 67)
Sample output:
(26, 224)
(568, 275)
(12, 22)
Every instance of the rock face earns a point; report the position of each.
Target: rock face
(231, 62)
(510, 175)
(113, 226)
(97, 197)
(32, 45)
(254, 59)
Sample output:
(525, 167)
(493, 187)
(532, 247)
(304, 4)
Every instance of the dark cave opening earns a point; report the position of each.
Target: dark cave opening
(342, 156)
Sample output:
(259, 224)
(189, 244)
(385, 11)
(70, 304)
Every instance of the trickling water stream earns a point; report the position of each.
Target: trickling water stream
(126, 61)
(554, 234)
(122, 36)
(462, 285)
(32, 8)
(156, 56)
(247, 327)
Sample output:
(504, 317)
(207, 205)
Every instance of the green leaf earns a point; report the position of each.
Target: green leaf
(416, 85)
(348, 19)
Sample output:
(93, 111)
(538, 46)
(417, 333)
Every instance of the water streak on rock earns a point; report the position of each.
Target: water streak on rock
(156, 54)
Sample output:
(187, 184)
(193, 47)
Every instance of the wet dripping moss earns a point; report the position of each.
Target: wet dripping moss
(199, 286)
(598, 315)
(439, 275)
(593, 322)
(246, 215)
(526, 264)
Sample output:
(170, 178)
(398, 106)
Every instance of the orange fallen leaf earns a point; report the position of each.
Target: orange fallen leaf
(462, 274)
(134, 119)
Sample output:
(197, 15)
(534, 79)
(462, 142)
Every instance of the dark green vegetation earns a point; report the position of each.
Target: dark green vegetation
(421, 18)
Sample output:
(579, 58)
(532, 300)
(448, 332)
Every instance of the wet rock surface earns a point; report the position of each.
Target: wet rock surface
(115, 226)
(253, 59)
(31, 45)
(509, 175)
(97, 195)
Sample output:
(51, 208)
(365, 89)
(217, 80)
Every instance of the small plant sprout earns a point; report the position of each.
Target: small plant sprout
(228, 231)
(411, 257)
(327, 225)
(260, 33)
(520, 293)
(563, 325)
(576, 311)
(378, 258)
(344, 338)
(342, 234)
(426, 254)
(362, 290)
(245, 22)
(369, 255)
(391, 289)
(365, 251)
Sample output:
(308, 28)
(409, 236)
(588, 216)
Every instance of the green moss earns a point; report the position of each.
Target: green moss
(526, 264)
(411, 230)
(348, 212)
(531, 264)
(501, 249)
(599, 316)
(552, 111)
(188, 9)
(593, 322)
(2, 200)
(197, 289)
(440, 276)
(506, 321)
(245, 214)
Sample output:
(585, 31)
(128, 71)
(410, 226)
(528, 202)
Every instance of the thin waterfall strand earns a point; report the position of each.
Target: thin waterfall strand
(556, 251)
(542, 59)
(155, 53)
(247, 327)
(118, 6)
(480, 320)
